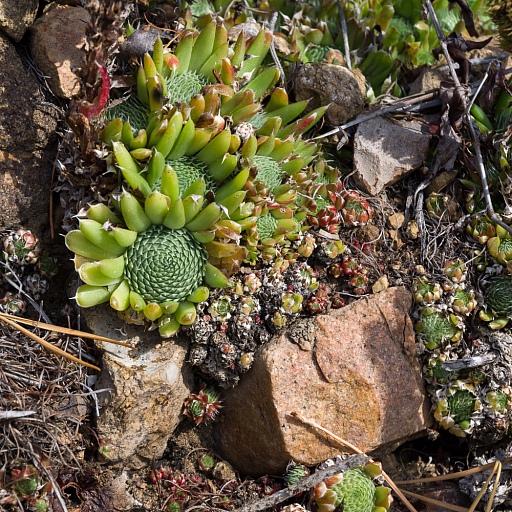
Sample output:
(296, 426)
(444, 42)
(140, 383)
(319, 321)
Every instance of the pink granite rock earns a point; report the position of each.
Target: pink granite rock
(57, 46)
(361, 381)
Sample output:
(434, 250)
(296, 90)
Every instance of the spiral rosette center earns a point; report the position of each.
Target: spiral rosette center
(165, 264)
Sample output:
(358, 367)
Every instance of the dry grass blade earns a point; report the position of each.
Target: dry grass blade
(388, 479)
(453, 476)
(432, 501)
(48, 346)
(497, 466)
(64, 330)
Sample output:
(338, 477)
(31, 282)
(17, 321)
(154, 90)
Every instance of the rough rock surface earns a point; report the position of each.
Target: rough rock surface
(57, 42)
(385, 152)
(328, 84)
(16, 16)
(149, 385)
(361, 381)
(27, 145)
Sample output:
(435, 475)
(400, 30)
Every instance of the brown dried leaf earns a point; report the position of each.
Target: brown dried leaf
(467, 16)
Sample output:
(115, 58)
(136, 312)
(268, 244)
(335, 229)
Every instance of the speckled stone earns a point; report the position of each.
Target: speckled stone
(385, 152)
(147, 388)
(16, 16)
(27, 146)
(328, 84)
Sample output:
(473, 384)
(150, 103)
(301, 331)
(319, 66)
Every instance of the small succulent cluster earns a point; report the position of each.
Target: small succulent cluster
(202, 407)
(208, 485)
(469, 397)
(23, 262)
(354, 490)
(24, 484)
(178, 489)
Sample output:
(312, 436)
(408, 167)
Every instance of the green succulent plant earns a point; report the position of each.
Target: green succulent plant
(498, 302)
(192, 177)
(456, 408)
(355, 490)
(436, 328)
(463, 301)
(500, 248)
(426, 292)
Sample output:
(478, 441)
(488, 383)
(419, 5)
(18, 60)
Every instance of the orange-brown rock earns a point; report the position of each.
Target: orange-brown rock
(361, 380)
(58, 47)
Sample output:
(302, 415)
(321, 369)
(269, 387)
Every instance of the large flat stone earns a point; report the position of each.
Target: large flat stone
(361, 381)
(27, 146)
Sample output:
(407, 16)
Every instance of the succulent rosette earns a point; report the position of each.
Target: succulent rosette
(463, 301)
(500, 247)
(481, 229)
(426, 292)
(498, 302)
(150, 258)
(458, 408)
(355, 490)
(437, 328)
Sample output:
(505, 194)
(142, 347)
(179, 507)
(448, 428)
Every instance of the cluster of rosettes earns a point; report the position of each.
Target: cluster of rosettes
(443, 305)
(179, 489)
(23, 261)
(354, 490)
(212, 173)
(234, 322)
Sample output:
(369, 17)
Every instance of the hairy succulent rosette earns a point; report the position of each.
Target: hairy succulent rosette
(498, 302)
(500, 248)
(21, 247)
(149, 260)
(442, 207)
(356, 210)
(457, 408)
(202, 407)
(436, 328)
(355, 490)
(481, 229)
(463, 301)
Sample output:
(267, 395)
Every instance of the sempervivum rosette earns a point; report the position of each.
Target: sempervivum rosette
(498, 302)
(355, 490)
(149, 260)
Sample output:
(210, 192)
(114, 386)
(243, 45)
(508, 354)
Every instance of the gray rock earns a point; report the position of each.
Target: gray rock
(57, 46)
(16, 16)
(361, 381)
(148, 386)
(27, 146)
(385, 152)
(328, 84)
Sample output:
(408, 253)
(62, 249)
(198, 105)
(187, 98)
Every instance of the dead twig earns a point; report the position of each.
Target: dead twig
(474, 137)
